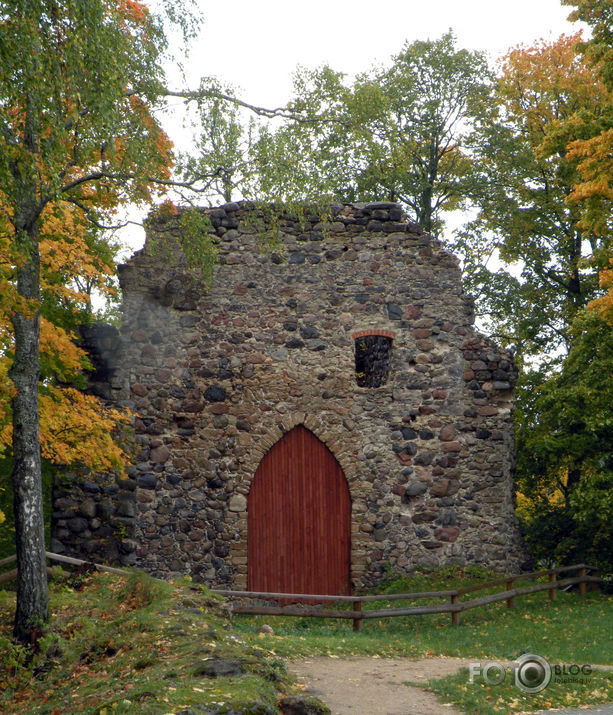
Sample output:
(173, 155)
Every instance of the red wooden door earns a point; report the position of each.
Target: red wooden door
(299, 519)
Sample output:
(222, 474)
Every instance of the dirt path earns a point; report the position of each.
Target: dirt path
(374, 686)
(371, 686)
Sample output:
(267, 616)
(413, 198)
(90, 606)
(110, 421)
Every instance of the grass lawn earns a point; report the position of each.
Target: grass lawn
(572, 629)
(485, 699)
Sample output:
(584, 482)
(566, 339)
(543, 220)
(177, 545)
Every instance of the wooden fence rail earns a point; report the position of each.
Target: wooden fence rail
(455, 606)
(12, 575)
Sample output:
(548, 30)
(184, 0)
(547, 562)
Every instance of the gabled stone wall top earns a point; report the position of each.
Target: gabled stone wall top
(218, 374)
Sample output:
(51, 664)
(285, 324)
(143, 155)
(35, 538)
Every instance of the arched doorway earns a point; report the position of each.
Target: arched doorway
(299, 519)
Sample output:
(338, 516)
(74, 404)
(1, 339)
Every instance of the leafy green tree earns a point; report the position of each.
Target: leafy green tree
(414, 147)
(530, 222)
(77, 81)
(525, 217)
(569, 416)
(565, 450)
(326, 154)
(395, 133)
(221, 167)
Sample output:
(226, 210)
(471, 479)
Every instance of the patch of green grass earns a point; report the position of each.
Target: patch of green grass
(485, 699)
(443, 578)
(135, 644)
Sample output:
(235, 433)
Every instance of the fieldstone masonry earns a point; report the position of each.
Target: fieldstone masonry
(217, 375)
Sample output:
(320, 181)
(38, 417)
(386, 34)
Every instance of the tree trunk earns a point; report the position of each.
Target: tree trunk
(32, 610)
(424, 216)
(573, 480)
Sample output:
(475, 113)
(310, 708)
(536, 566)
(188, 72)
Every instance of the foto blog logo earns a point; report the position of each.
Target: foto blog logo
(531, 673)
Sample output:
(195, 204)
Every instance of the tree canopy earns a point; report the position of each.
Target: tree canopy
(525, 215)
(395, 133)
(78, 80)
(565, 415)
(592, 128)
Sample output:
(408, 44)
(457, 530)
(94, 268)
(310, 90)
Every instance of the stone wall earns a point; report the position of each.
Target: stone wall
(93, 514)
(217, 375)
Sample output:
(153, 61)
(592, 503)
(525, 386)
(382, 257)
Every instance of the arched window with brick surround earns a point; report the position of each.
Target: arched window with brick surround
(373, 355)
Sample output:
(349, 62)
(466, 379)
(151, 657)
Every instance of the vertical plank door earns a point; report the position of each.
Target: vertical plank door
(299, 519)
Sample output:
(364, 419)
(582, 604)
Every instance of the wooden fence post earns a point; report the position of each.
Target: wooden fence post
(357, 622)
(455, 615)
(594, 586)
(511, 599)
(552, 591)
(582, 584)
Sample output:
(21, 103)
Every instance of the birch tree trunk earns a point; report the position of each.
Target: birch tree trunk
(32, 610)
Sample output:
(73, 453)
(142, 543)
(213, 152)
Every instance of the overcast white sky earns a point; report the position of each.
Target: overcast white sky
(256, 46)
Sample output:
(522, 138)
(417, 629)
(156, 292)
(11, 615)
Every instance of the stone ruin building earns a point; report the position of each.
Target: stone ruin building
(322, 414)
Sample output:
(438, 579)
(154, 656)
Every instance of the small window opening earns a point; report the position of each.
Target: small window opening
(373, 355)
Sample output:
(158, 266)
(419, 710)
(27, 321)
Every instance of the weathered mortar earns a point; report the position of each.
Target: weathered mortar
(217, 376)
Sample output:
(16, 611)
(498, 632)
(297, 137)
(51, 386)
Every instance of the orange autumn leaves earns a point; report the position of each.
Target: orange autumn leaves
(604, 305)
(546, 85)
(74, 427)
(65, 255)
(595, 157)
(97, 146)
(571, 75)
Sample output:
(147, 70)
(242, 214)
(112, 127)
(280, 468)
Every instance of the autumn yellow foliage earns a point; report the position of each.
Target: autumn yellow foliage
(595, 189)
(545, 83)
(592, 147)
(526, 505)
(75, 428)
(593, 143)
(604, 304)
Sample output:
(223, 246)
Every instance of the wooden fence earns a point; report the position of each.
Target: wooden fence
(12, 574)
(454, 605)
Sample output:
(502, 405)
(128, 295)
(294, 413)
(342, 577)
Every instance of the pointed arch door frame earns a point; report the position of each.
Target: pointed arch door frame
(299, 519)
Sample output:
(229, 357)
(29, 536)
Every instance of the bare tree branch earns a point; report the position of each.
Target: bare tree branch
(8, 135)
(277, 112)
(90, 216)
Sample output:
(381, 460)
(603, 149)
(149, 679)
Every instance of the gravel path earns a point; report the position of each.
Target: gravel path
(372, 686)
